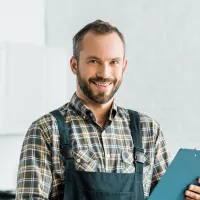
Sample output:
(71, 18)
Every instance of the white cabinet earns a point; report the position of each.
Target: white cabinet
(3, 51)
(33, 81)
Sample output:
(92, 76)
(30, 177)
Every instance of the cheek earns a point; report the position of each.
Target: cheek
(118, 74)
(86, 71)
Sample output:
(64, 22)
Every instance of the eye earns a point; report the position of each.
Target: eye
(114, 62)
(93, 61)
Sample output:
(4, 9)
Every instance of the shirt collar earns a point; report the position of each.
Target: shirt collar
(84, 111)
(113, 111)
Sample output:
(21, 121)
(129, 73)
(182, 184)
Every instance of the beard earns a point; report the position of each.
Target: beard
(101, 97)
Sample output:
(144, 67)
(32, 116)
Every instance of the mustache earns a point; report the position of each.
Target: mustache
(101, 79)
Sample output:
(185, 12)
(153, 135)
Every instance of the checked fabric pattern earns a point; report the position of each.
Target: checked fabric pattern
(96, 149)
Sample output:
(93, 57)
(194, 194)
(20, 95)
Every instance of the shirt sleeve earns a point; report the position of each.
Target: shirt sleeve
(34, 174)
(162, 159)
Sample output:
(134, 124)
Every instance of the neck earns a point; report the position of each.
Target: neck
(100, 111)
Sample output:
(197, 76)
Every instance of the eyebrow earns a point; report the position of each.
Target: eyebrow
(96, 58)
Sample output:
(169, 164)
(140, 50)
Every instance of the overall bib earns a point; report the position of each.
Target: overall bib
(80, 185)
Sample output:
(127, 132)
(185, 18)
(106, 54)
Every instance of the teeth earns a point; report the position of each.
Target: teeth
(102, 84)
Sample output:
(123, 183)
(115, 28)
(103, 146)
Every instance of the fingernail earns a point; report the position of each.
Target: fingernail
(192, 187)
(188, 193)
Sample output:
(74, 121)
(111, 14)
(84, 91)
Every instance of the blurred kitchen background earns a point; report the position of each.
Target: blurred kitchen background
(162, 78)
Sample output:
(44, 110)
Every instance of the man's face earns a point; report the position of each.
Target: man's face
(101, 66)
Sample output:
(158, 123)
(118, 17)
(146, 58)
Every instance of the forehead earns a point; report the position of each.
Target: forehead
(103, 46)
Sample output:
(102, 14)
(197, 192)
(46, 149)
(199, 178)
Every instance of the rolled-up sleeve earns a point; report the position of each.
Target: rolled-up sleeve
(34, 178)
(162, 159)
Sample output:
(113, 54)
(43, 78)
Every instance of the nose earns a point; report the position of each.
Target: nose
(103, 70)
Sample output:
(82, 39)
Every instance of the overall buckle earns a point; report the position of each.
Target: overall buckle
(139, 155)
(67, 152)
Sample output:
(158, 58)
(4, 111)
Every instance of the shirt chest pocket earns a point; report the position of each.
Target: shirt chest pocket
(127, 162)
(85, 160)
(149, 157)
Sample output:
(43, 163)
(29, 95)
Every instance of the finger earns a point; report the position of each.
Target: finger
(194, 188)
(188, 198)
(192, 195)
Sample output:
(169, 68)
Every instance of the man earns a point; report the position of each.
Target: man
(96, 152)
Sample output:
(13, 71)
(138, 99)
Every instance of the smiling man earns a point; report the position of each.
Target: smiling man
(99, 68)
(91, 148)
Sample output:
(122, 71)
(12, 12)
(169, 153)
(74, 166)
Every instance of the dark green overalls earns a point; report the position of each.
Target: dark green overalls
(80, 185)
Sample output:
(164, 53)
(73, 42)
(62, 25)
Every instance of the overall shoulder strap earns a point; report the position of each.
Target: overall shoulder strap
(137, 140)
(65, 141)
(66, 150)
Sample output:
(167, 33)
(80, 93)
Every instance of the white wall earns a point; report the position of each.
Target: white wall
(163, 47)
(10, 147)
(30, 75)
(34, 83)
(22, 21)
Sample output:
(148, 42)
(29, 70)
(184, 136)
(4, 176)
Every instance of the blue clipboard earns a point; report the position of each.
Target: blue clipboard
(183, 171)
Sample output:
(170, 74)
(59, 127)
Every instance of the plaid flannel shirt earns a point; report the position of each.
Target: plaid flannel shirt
(96, 149)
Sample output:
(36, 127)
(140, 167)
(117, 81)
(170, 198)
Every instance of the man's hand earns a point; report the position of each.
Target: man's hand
(193, 192)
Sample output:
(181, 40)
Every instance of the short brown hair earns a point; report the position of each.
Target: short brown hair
(98, 27)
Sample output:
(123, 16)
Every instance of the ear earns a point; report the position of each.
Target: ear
(125, 65)
(74, 65)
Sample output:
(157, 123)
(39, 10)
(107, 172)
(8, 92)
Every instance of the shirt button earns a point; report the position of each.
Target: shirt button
(78, 160)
